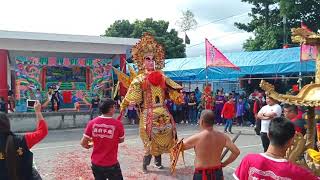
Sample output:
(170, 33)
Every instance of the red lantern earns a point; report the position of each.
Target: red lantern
(295, 88)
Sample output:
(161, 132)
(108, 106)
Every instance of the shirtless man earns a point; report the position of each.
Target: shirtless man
(208, 145)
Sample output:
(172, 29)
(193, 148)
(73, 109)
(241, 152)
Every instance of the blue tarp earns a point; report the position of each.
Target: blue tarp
(271, 62)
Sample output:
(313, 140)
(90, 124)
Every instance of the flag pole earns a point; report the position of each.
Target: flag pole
(185, 43)
(206, 62)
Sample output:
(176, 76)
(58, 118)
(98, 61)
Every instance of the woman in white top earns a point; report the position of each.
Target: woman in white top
(266, 114)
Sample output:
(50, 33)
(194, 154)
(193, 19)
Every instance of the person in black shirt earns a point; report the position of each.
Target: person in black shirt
(16, 159)
(2, 105)
(94, 105)
(192, 108)
(55, 100)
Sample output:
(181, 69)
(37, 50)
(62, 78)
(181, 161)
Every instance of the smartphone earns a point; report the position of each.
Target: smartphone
(30, 103)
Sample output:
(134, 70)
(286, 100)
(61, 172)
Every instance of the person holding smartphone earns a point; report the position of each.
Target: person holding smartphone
(16, 159)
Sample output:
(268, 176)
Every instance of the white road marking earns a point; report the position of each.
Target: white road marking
(248, 146)
(55, 147)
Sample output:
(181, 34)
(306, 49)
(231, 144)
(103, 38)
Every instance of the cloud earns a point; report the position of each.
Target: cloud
(78, 16)
(211, 10)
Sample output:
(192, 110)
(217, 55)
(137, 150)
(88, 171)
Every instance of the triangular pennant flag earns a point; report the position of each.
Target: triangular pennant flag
(186, 39)
(215, 58)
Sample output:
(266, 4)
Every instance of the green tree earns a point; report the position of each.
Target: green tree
(267, 23)
(120, 28)
(186, 23)
(173, 45)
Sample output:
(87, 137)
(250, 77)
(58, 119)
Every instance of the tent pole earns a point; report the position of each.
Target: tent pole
(206, 62)
(206, 75)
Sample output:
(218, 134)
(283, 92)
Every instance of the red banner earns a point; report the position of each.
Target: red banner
(3, 74)
(123, 65)
(52, 61)
(215, 58)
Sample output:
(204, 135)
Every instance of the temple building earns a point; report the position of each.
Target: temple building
(34, 65)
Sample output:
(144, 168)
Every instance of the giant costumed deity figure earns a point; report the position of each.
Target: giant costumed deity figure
(148, 90)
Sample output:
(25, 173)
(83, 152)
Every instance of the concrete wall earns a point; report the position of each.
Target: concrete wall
(22, 122)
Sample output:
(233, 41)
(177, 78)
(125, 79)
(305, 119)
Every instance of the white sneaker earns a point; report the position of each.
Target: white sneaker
(159, 167)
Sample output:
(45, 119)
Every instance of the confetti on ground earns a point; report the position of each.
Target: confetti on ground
(76, 165)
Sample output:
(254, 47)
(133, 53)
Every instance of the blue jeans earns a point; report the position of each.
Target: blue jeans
(228, 125)
(192, 116)
(94, 112)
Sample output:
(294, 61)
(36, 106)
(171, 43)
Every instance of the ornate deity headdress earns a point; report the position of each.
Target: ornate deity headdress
(148, 45)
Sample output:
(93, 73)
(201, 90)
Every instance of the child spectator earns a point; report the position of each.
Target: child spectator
(228, 112)
(240, 111)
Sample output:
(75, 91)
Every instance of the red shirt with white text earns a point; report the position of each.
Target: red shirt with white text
(261, 166)
(106, 133)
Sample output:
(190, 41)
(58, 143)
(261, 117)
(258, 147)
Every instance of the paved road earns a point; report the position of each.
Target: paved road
(60, 156)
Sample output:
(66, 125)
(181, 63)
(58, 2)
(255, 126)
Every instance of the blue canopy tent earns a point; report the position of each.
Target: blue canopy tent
(271, 62)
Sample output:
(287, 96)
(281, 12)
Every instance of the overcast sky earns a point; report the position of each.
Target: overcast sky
(92, 17)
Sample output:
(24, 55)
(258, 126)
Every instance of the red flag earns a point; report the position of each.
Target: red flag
(82, 62)
(308, 52)
(295, 88)
(215, 58)
(123, 63)
(52, 61)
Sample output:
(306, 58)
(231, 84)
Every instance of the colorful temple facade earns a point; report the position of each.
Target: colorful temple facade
(32, 65)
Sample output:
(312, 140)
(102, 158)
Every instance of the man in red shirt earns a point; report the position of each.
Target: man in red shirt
(272, 164)
(228, 112)
(291, 112)
(104, 134)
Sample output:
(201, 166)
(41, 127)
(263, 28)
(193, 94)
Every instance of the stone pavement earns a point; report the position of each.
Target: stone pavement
(60, 156)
